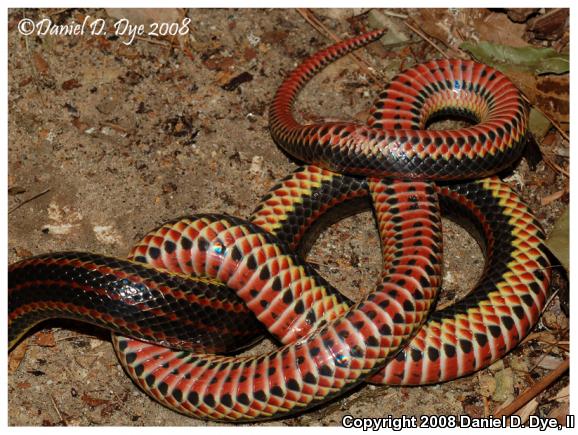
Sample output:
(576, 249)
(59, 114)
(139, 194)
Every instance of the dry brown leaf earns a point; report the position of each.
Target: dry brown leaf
(274, 36)
(553, 96)
(497, 27)
(82, 126)
(70, 84)
(520, 15)
(16, 356)
(25, 81)
(551, 25)
(549, 362)
(23, 252)
(560, 411)
(249, 54)
(16, 190)
(549, 93)
(551, 198)
(435, 22)
(93, 401)
(563, 395)
(45, 339)
(223, 77)
(220, 63)
(452, 27)
(40, 64)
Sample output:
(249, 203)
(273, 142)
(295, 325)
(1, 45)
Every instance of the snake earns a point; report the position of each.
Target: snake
(199, 289)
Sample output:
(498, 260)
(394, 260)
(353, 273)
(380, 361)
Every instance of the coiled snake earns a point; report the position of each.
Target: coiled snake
(229, 278)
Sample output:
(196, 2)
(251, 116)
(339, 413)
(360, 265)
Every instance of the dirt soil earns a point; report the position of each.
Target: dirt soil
(107, 141)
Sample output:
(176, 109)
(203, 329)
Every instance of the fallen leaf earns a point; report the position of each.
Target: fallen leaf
(70, 84)
(40, 64)
(82, 126)
(564, 394)
(93, 401)
(559, 239)
(437, 23)
(16, 190)
(539, 124)
(249, 54)
(219, 62)
(45, 339)
(549, 362)
(504, 385)
(454, 26)
(223, 77)
(520, 15)
(487, 385)
(550, 26)
(16, 356)
(553, 96)
(23, 252)
(274, 36)
(560, 412)
(498, 28)
(553, 197)
(532, 59)
(25, 81)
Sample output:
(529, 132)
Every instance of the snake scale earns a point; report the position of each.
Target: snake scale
(199, 288)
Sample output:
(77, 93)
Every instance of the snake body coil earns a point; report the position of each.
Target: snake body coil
(330, 343)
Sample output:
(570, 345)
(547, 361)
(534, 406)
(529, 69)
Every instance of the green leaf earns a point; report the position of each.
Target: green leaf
(532, 59)
(559, 240)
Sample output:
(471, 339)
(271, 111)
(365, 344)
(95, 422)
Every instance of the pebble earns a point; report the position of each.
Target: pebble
(256, 165)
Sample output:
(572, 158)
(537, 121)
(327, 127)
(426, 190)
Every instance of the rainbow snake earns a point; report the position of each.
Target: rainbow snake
(212, 283)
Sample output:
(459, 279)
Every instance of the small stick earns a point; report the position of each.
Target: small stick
(57, 410)
(38, 195)
(553, 197)
(395, 14)
(534, 390)
(555, 166)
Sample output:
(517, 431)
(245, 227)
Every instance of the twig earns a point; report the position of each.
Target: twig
(115, 127)
(556, 167)
(395, 14)
(310, 17)
(38, 195)
(553, 197)
(57, 410)
(534, 390)
(543, 338)
(425, 38)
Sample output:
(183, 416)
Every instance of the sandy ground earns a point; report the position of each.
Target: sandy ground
(120, 138)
